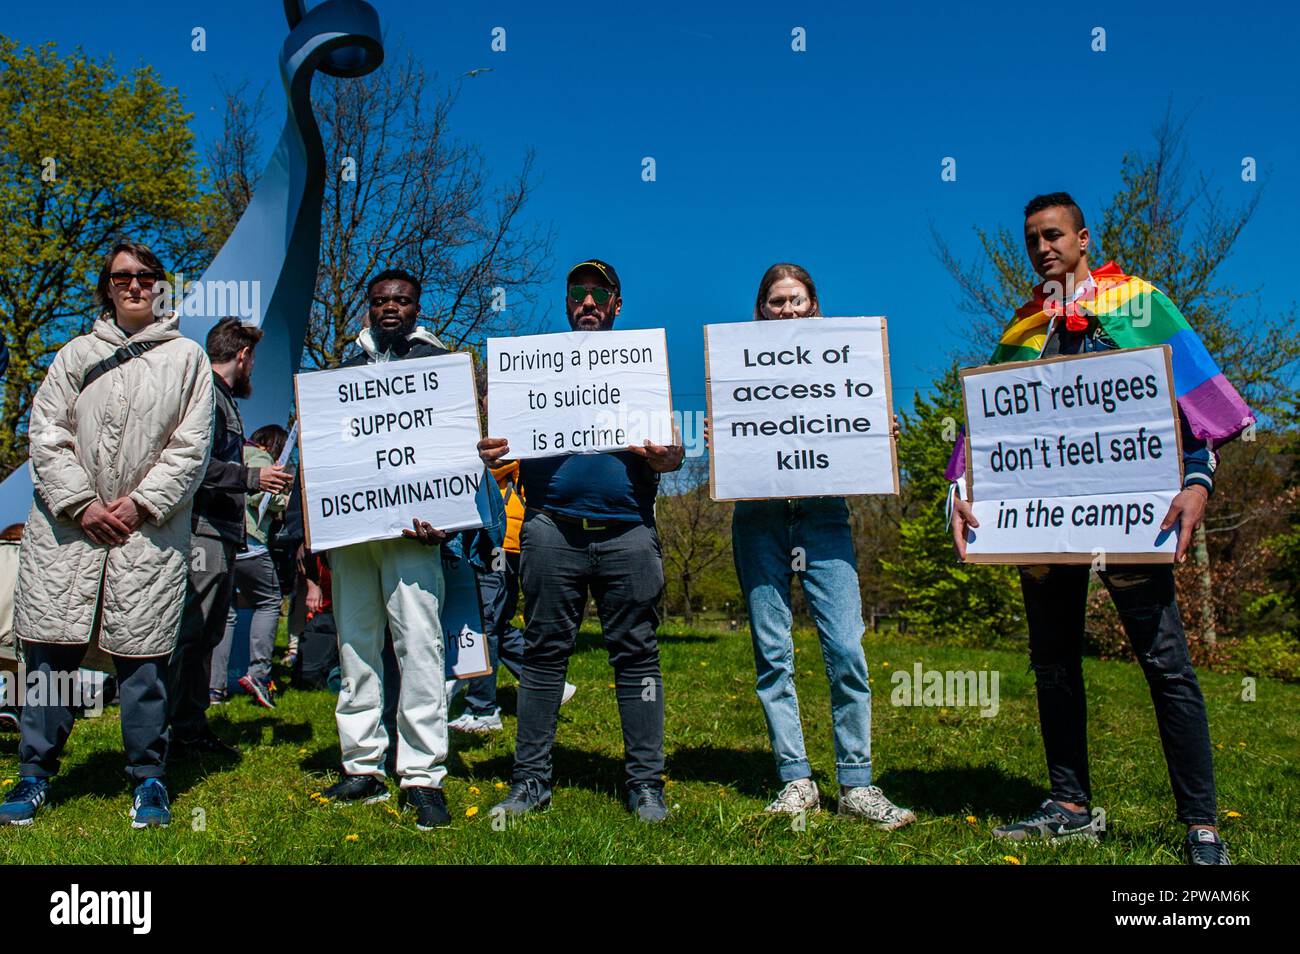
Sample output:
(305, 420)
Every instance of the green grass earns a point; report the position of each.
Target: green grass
(947, 764)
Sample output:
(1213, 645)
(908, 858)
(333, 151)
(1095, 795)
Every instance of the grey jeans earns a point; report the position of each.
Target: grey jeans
(255, 578)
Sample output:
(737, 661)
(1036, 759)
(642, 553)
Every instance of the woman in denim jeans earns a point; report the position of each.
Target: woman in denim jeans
(772, 540)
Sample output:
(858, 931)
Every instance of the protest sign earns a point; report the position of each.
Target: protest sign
(466, 648)
(580, 392)
(381, 445)
(1071, 459)
(799, 408)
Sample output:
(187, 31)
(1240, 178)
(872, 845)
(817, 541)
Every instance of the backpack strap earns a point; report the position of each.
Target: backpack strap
(115, 360)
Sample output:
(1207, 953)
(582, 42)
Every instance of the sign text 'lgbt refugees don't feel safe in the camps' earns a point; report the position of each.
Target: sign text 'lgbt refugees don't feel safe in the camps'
(799, 408)
(579, 392)
(384, 444)
(1071, 458)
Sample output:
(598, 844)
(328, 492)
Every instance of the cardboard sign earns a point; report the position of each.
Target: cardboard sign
(381, 445)
(1074, 458)
(466, 646)
(581, 392)
(799, 408)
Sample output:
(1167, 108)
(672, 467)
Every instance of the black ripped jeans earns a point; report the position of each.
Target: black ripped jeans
(1055, 598)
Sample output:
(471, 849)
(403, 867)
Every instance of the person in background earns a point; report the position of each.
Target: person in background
(764, 535)
(255, 578)
(119, 435)
(10, 542)
(219, 534)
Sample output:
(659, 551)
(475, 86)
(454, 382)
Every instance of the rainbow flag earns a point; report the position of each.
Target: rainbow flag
(1135, 314)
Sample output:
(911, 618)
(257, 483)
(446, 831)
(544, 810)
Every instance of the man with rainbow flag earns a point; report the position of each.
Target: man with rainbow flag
(1078, 310)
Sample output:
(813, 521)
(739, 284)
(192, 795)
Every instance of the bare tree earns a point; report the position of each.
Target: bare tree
(403, 192)
(234, 161)
(694, 529)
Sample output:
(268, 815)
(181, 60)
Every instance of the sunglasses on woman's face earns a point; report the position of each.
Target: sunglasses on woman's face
(124, 279)
(598, 294)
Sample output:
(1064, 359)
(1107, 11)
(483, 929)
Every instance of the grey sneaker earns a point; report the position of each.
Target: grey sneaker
(646, 801)
(797, 796)
(1052, 823)
(525, 796)
(870, 803)
(1204, 847)
(472, 724)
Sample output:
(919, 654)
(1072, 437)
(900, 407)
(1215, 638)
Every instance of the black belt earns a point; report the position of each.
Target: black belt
(587, 523)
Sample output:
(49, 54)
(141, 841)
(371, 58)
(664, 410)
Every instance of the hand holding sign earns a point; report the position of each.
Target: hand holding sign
(799, 408)
(1071, 458)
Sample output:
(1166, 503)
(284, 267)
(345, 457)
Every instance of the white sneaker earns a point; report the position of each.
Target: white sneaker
(869, 802)
(569, 691)
(477, 724)
(797, 796)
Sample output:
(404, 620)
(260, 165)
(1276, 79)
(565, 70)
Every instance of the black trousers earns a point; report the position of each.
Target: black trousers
(1055, 599)
(208, 593)
(622, 567)
(142, 689)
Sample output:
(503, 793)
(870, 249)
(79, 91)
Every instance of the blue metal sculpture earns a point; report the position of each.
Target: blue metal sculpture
(272, 255)
(276, 243)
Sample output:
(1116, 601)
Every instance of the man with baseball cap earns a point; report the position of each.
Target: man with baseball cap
(589, 527)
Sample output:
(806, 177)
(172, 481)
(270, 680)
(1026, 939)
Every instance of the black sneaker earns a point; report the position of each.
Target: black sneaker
(525, 796)
(1205, 847)
(1053, 823)
(357, 788)
(206, 742)
(430, 807)
(646, 801)
(10, 718)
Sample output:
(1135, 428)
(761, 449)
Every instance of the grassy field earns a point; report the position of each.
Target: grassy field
(962, 774)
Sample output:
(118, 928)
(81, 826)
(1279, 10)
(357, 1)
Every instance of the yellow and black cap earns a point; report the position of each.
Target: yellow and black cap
(603, 268)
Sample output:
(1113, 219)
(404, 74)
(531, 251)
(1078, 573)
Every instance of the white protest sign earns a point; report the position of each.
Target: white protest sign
(1072, 459)
(580, 392)
(381, 445)
(799, 408)
(461, 614)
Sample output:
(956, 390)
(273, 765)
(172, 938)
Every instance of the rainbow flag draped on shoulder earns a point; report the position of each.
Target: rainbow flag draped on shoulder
(1134, 314)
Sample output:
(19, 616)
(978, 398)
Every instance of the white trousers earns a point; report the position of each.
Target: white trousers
(398, 583)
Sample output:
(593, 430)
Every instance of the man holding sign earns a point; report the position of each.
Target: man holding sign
(1077, 311)
(394, 585)
(589, 528)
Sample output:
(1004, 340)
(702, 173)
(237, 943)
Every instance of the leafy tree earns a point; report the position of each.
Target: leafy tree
(959, 603)
(89, 155)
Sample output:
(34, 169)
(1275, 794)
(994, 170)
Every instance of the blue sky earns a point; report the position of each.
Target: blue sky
(830, 157)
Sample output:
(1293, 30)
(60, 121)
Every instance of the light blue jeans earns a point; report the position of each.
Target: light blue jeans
(772, 541)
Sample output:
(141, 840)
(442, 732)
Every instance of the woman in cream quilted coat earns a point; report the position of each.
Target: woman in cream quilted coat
(105, 555)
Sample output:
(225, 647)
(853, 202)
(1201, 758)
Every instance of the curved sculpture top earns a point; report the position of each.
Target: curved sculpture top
(265, 273)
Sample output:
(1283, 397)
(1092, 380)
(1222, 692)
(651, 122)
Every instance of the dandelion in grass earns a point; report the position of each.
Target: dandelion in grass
(353, 837)
(471, 811)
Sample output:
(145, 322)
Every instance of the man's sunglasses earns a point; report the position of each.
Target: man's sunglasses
(124, 279)
(598, 294)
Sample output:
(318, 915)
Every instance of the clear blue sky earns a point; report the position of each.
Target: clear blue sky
(830, 158)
